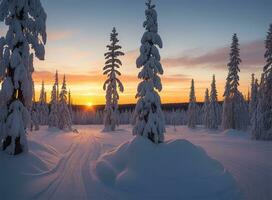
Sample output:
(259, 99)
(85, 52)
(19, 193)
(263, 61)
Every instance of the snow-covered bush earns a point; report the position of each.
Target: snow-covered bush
(235, 113)
(34, 118)
(148, 116)
(111, 113)
(26, 32)
(65, 121)
(262, 122)
(192, 107)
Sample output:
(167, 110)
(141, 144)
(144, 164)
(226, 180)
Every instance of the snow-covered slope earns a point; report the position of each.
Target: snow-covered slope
(60, 165)
(176, 169)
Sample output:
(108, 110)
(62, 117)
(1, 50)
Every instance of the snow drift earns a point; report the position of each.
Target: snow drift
(174, 170)
(19, 175)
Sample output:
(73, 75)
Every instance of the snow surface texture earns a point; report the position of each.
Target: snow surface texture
(60, 165)
(136, 167)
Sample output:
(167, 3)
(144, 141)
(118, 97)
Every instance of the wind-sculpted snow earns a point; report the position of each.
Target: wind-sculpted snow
(188, 172)
(66, 165)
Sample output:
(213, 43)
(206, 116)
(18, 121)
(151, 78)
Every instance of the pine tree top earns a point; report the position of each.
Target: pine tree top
(234, 53)
(112, 62)
(232, 83)
(206, 98)
(64, 83)
(63, 93)
(57, 77)
(150, 5)
(213, 95)
(192, 92)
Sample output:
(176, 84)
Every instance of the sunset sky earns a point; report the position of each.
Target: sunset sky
(196, 36)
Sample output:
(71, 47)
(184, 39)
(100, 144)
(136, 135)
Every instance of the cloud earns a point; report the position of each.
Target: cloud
(59, 35)
(251, 55)
(48, 77)
(98, 77)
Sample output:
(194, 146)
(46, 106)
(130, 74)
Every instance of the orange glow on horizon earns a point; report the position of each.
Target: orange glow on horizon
(89, 104)
(178, 95)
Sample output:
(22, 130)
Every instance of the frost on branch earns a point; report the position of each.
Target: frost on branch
(234, 107)
(192, 107)
(65, 120)
(148, 116)
(262, 119)
(26, 32)
(112, 64)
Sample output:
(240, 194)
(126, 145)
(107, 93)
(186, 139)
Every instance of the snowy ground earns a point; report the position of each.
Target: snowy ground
(58, 164)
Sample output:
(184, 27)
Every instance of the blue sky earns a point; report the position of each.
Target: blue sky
(196, 33)
(183, 24)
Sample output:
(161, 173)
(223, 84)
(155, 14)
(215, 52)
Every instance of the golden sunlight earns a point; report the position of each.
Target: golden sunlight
(89, 104)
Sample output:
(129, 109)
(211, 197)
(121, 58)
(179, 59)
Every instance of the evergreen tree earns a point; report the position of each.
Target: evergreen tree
(42, 108)
(205, 109)
(192, 108)
(214, 108)
(262, 124)
(34, 113)
(70, 104)
(65, 121)
(57, 84)
(253, 98)
(148, 115)
(53, 120)
(111, 67)
(234, 107)
(26, 33)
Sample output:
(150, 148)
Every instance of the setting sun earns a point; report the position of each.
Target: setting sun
(89, 104)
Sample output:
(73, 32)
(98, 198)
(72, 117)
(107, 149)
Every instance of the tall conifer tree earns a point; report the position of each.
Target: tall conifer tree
(148, 116)
(111, 69)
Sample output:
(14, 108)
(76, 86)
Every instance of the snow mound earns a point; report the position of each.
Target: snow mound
(23, 171)
(40, 158)
(175, 169)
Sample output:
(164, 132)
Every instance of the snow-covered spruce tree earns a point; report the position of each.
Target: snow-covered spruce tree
(53, 119)
(253, 98)
(205, 109)
(42, 108)
(148, 115)
(57, 84)
(262, 124)
(26, 31)
(65, 120)
(110, 86)
(70, 107)
(234, 108)
(214, 107)
(192, 107)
